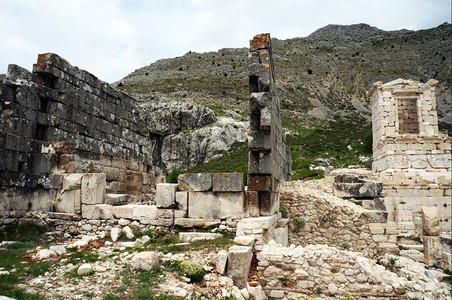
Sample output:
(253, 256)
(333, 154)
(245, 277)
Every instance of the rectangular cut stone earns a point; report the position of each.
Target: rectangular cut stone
(252, 203)
(90, 212)
(196, 223)
(266, 203)
(432, 250)
(165, 196)
(72, 181)
(281, 235)
(188, 237)
(228, 182)
(257, 223)
(208, 205)
(182, 200)
(123, 211)
(93, 188)
(69, 202)
(259, 182)
(239, 263)
(105, 211)
(430, 221)
(195, 182)
(151, 214)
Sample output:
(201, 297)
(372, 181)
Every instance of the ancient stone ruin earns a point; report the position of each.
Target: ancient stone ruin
(411, 157)
(269, 156)
(76, 154)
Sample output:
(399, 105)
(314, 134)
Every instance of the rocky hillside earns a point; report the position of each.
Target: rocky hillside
(321, 79)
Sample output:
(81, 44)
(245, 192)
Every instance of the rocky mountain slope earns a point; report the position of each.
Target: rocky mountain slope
(321, 79)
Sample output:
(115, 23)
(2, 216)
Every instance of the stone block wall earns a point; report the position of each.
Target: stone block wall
(60, 120)
(410, 156)
(269, 156)
(318, 218)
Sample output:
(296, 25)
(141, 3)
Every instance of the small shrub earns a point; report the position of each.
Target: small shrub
(325, 219)
(111, 297)
(284, 211)
(298, 223)
(193, 270)
(172, 177)
(172, 265)
(318, 291)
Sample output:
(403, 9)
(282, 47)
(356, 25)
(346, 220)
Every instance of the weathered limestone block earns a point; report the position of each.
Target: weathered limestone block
(281, 235)
(105, 211)
(146, 260)
(116, 199)
(165, 195)
(72, 181)
(69, 202)
(93, 188)
(123, 211)
(195, 182)
(252, 203)
(244, 241)
(366, 189)
(221, 262)
(188, 237)
(227, 182)
(90, 212)
(151, 214)
(257, 223)
(430, 221)
(239, 262)
(209, 205)
(182, 200)
(196, 223)
(432, 250)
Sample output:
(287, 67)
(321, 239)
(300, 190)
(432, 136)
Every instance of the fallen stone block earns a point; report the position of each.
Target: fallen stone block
(128, 232)
(239, 262)
(257, 223)
(84, 269)
(430, 221)
(188, 237)
(165, 195)
(221, 262)
(244, 241)
(147, 260)
(228, 182)
(150, 214)
(197, 223)
(123, 211)
(195, 182)
(93, 188)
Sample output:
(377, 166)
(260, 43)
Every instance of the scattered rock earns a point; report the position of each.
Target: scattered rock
(146, 260)
(221, 262)
(115, 234)
(45, 254)
(58, 249)
(84, 269)
(128, 232)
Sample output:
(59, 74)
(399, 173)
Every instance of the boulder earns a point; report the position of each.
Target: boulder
(58, 249)
(146, 260)
(221, 262)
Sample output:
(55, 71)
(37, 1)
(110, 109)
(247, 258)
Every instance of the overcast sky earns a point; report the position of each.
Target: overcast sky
(112, 38)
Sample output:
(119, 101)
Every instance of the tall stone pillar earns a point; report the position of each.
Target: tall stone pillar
(269, 155)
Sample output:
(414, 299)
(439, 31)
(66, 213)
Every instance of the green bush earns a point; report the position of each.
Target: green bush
(284, 211)
(193, 270)
(172, 177)
(367, 143)
(298, 223)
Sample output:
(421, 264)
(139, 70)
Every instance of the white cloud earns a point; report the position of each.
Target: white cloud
(111, 38)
